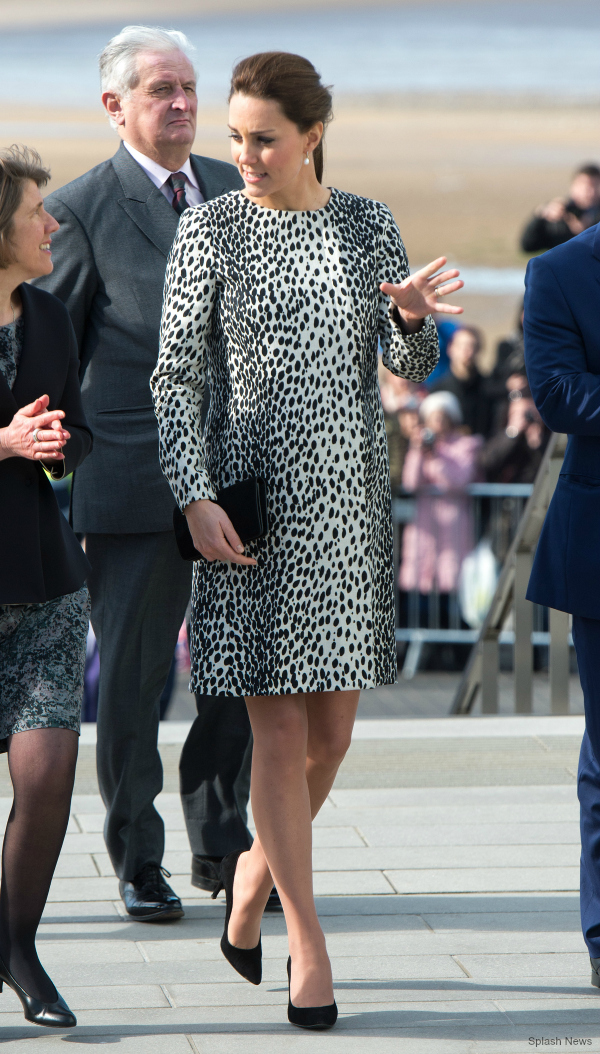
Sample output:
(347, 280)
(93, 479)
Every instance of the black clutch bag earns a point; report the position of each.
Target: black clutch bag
(246, 505)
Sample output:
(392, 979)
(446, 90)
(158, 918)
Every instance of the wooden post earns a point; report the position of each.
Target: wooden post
(489, 675)
(559, 662)
(523, 653)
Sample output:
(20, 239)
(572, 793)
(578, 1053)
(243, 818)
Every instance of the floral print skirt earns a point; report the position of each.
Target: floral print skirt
(42, 663)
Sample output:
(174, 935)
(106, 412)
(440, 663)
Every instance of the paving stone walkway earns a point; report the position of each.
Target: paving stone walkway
(450, 908)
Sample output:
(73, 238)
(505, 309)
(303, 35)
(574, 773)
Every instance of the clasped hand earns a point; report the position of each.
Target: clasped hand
(17, 439)
(214, 534)
(419, 294)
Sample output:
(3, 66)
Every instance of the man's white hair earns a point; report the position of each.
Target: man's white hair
(118, 61)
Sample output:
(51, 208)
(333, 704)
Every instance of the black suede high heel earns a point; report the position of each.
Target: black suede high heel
(53, 1015)
(247, 961)
(316, 1017)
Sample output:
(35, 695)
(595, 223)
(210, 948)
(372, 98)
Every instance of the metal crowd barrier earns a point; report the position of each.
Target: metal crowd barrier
(496, 510)
(512, 517)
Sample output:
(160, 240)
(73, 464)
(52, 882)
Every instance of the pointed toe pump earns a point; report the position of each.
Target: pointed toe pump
(52, 1015)
(318, 1018)
(247, 961)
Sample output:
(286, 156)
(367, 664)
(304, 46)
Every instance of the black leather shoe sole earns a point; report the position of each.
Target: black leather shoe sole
(155, 915)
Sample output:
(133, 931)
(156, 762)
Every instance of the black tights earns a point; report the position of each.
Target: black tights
(42, 769)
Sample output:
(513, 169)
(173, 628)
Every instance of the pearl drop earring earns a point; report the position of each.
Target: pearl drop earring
(306, 160)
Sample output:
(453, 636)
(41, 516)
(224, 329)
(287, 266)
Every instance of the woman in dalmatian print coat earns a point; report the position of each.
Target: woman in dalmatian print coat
(276, 296)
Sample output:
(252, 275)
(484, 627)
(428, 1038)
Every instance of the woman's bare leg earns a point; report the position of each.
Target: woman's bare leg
(331, 717)
(299, 743)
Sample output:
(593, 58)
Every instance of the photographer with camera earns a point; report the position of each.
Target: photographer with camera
(515, 452)
(563, 218)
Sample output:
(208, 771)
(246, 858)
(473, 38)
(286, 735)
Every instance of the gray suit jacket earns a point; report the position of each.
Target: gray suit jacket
(110, 255)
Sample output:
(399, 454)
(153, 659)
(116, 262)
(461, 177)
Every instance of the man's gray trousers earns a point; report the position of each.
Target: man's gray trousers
(140, 588)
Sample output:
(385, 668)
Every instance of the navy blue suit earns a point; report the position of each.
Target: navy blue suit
(562, 355)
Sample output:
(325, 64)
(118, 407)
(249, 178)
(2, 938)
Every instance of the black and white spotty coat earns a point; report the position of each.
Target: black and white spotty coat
(280, 313)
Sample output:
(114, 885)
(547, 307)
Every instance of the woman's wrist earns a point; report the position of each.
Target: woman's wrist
(407, 325)
(199, 502)
(5, 450)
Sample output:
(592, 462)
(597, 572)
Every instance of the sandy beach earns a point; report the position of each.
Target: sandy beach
(15, 15)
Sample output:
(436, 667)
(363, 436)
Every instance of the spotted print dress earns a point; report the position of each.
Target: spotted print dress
(281, 313)
(42, 646)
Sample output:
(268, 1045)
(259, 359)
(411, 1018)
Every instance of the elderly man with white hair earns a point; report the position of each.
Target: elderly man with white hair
(117, 224)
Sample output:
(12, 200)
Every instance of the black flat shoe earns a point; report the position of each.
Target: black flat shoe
(52, 1015)
(595, 972)
(316, 1017)
(247, 961)
(148, 898)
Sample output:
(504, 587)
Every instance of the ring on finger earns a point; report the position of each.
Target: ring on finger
(35, 435)
(437, 291)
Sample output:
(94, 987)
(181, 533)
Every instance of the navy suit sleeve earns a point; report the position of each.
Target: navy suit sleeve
(80, 443)
(566, 394)
(74, 278)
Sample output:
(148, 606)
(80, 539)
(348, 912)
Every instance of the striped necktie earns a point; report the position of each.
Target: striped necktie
(176, 182)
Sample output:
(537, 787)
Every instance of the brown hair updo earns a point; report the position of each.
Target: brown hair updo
(291, 81)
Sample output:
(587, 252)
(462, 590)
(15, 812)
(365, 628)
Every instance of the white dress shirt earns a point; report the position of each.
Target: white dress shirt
(160, 175)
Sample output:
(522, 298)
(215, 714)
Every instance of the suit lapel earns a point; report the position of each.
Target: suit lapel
(144, 203)
(37, 373)
(8, 403)
(210, 185)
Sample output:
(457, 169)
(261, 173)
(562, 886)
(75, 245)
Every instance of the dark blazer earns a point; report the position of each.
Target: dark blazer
(110, 255)
(562, 356)
(40, 556)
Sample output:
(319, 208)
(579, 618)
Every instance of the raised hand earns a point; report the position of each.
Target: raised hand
(420, 294)
(214, 534)
(35, 433)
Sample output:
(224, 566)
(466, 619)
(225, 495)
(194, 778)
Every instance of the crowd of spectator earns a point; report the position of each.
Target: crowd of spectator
(462, 426)
(496, 410)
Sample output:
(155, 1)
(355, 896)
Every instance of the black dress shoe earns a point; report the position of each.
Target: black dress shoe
(148, 898)
(595, 972)
(247, 961)
(206, 872)
(318, 1018)
(52, 1015)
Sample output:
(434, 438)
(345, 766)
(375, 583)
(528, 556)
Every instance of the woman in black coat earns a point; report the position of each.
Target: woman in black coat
(44, 603)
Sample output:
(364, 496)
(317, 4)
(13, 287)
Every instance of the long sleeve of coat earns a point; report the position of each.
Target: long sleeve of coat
(410, 355)
(566, 394)
(179, 380)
